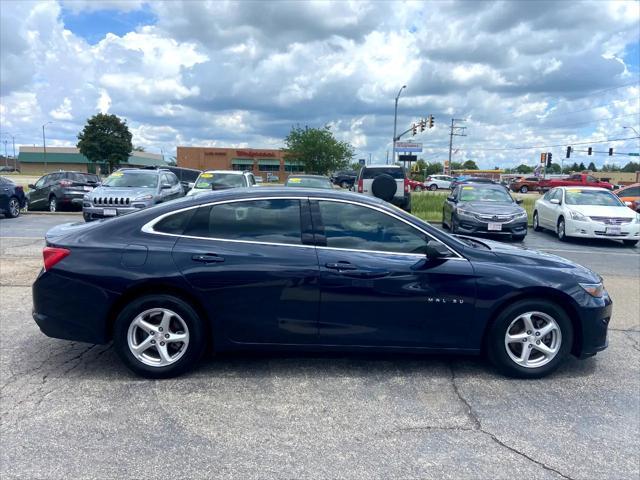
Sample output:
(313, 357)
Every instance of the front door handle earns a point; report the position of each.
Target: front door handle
(207, 258)
(341, 266)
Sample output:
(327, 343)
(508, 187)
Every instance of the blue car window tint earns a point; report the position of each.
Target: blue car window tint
(360, 228)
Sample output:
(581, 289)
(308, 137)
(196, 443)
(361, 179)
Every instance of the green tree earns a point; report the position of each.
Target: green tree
(434, 168)
(631, 167)
(105, 138)
(554, 168)
(524, 169)
(470, 165)
(592, 167)
(456, 166)
(581, 167)
(317, 149)
(574, 168)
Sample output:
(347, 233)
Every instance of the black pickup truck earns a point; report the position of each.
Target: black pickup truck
(344, 178)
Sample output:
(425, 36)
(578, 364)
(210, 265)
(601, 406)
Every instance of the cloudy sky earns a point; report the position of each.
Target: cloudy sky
(522, 74)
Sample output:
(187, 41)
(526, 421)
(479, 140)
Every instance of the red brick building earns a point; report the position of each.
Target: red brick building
(261, 162)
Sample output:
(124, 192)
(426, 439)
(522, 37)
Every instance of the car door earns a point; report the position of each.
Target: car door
(377, 287)
(248, 261)
(37, 196)
(552, 210)
(450, 205)
(5, 191)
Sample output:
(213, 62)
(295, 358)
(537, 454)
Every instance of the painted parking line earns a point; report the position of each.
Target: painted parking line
(582, 252)
(21, 238)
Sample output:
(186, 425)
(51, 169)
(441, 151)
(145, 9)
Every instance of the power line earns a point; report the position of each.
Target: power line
(596, 120)
(536, 147)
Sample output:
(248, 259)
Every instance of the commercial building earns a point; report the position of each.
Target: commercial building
(262, 162)
(32, 160)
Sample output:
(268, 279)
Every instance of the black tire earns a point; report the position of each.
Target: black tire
(444, 224)
(524, 189)
(454, 227)
(433, 187)
(518, 238)
(196, 332)
(630, 243)
(418, 188)
(561, 230)
(344, 185)
(13, 209)
(384, 187)
(536, 222)
(495, 340)
(53, 204)
(87, 217)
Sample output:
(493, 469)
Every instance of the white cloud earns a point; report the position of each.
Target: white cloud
(63, 112)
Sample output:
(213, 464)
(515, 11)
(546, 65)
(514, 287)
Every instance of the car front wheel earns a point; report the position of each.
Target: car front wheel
(159, 336)
(524, 189)
(530, 338)
(418, 188)
(14, 207)
(630, 243)
(433, 187)
(536, 222)
(53, 204)
(562, 230)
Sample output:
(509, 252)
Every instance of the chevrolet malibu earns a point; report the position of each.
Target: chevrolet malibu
(309, 269)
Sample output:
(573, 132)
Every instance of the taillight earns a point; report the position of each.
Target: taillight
(19, 188)
(360, 186)
(66, 183)
(407, 187)
(53, 255)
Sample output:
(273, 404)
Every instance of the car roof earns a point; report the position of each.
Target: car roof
(580, 187)
(382, 166)
(234, 172)
(142, 170)
(304, 175)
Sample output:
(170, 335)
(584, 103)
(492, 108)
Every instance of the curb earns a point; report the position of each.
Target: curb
(31, 212)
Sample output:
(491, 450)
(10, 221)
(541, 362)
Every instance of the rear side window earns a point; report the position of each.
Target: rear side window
(355, 227)
(631, 192)
(174, 224)
(273, 221)
(189, 175)
(369, 173)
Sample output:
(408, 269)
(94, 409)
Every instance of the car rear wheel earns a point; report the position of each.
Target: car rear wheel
(344, 185)
(630, 243)
(53, 204)
(418, 188)
(561, 230)
(530, 338)
(454, 225)
(159, 336)
(444, 224)
(14, 208)
(433, 187)
(536, 222)
(524, 189)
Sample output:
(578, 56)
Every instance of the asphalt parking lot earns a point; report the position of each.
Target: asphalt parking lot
(72, 410)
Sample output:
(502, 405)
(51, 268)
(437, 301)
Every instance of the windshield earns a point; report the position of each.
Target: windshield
(132, 179)
(470, 193)
(592, 197)
(213, 181)
(308, 182)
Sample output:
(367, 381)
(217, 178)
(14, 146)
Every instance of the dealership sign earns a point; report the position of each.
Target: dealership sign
(408, 147)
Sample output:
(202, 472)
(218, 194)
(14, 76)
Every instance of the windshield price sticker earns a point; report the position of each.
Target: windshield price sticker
(294, 180)
(116, 174)
(467, 188)
(206, 175)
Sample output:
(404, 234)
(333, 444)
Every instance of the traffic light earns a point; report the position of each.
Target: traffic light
(431, 121)
(414, 129)
(611, 152)
(543, 158)
(569, 152)
(589, 150)
(423, 123)
(549, 156)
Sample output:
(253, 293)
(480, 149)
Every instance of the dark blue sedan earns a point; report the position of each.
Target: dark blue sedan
(308, 269)
(12, 198)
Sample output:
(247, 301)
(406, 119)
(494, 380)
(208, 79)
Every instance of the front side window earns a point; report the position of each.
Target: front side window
(549, 194)
(272, 221)
(40, 183)
(631, 192)
(356, 227)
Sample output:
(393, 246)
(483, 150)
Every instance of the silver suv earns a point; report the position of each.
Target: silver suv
(128, 190)
(387, 182)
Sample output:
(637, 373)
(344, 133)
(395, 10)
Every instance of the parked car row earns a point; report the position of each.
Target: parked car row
(12, 198)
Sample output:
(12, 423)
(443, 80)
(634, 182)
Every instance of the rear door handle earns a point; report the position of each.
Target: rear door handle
(207, 258)
(341, 266)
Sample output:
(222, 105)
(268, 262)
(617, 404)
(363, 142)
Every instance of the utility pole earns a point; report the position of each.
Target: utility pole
(456, 131)
(6, 158)
(395, 123)
(44, 146)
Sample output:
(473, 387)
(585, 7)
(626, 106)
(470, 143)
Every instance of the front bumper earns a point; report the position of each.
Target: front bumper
(472, 225)
(595, 318)
(92, 212)
(591, 229)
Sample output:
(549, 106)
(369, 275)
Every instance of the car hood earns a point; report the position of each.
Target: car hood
(602, 211)
(131, 192)
(491, 208)
(520, 255)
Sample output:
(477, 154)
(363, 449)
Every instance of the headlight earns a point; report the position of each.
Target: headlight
(464, 212)
(594, 289)
(143, 197)
(86, 197)
(522, 214)
(578, 216)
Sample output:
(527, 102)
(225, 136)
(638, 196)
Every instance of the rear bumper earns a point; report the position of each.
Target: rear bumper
(402, 202)
(70, 309)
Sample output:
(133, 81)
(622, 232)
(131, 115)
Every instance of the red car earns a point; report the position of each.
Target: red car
(415, 185)
(575, 180)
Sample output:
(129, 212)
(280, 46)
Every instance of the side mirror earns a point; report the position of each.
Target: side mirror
(518, 201)
(165, 186)
(31, 186)
(435, 250)
(555, 201)
(451, 198)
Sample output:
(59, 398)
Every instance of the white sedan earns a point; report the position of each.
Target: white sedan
(434, 182)
(587, 212)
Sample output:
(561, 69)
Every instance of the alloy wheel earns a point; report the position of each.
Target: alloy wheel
(417, 189)
(433, 187)
(53, 204)
(561, 230)
(14, 207)
(536, 224)
(524, 189)
(533, 339)
(158, 337)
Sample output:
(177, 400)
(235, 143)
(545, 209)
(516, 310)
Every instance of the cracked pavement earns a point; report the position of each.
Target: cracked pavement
(71, 410)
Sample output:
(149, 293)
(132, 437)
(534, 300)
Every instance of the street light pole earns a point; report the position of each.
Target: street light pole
(395, 123)
(634, 130)
(44, 146)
